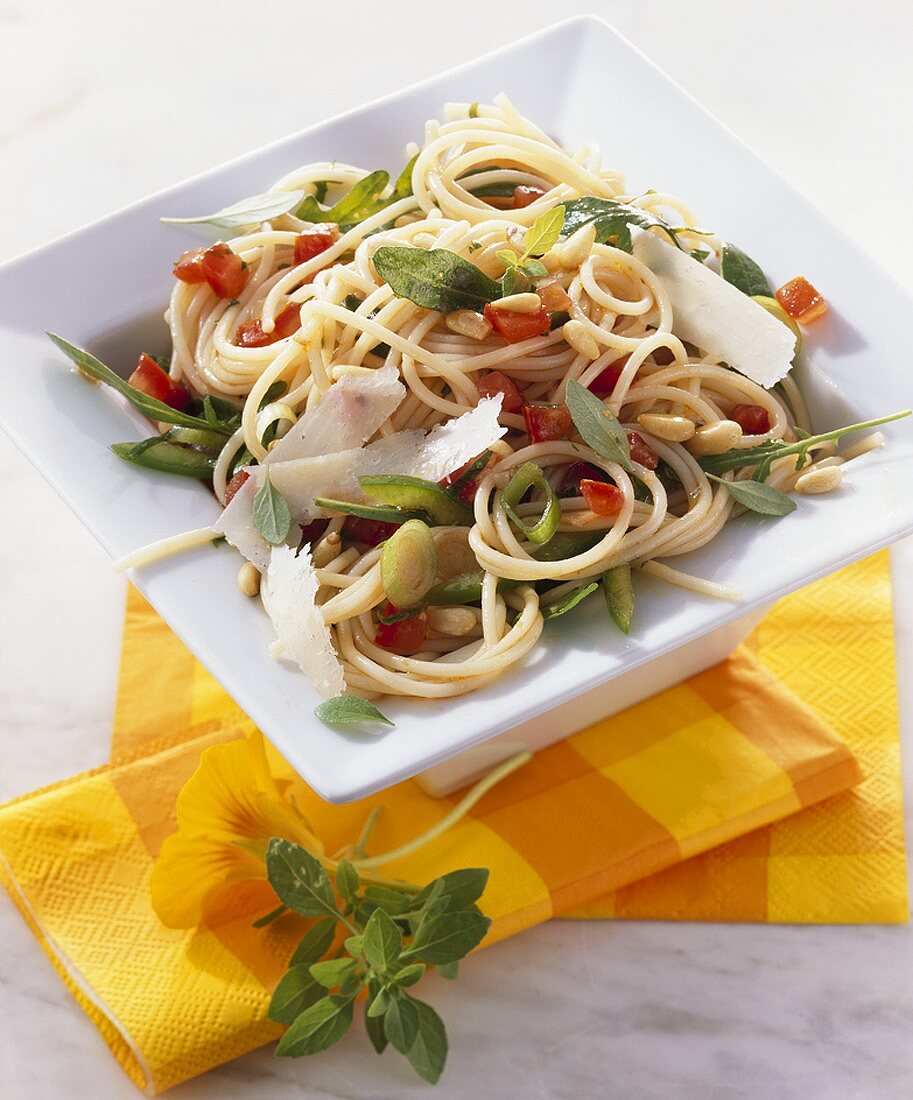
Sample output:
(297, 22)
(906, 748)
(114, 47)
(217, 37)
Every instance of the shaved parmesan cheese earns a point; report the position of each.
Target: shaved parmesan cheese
(237, 525)
(289, 591)
(350, 412)
(452, 444)
(714, 315)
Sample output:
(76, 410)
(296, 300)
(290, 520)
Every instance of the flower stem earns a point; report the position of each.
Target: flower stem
(463, 807)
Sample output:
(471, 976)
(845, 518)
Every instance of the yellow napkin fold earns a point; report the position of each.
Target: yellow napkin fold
(707, 762)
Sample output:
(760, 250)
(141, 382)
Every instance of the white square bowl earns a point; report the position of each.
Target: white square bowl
(106, 285)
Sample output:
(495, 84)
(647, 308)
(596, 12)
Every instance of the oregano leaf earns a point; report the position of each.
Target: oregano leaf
(296, 991)
(299, 879)
(272, 515)
(401, 1023)
(348, 710)
(315, 943)
(758, 497)
(383, 941)
(428, 1053)
(597, 426)
(250, 211)
(318, 1027)
(543, 234)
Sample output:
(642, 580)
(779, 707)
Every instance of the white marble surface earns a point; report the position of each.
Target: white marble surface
(101, 103)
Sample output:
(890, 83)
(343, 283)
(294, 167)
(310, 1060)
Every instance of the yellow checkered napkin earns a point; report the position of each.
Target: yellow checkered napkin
(712, 762)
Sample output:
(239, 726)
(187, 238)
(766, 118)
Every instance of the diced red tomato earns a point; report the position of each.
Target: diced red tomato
(494, 382)
(602, 497)
(524, 196)
(234, 485)
(189, 266)
(312, 242)
(225, 271)
(801, 300)
(468, 492)
(251, 334)
(311, 532)
(515, 326)
(603, 385)
(752, 419)
(554, 297)
(575, 474)
(372, 532)
(405, 636)
(151, 380)
(545, 423)
(641, 453)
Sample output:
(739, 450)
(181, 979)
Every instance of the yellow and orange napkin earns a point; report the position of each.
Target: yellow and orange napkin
(765, 789)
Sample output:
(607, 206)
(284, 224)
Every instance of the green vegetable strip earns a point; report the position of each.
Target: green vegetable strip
(527, 477)
(170, 458)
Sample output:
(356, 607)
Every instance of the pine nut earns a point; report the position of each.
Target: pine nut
(519, 303)
(249, 579)
(326, 549)
(455, 622)
(829, 460)
(867, 443)
(577, 247)
(714, 439)
(675, 429)
(580, 340)
(465, 322)
(820, 481)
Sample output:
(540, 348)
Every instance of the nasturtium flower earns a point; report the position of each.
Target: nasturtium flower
(213, 868)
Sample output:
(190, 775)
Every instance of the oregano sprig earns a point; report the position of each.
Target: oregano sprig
(541, 236)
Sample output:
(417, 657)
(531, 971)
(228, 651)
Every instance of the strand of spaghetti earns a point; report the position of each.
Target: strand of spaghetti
(166, 548)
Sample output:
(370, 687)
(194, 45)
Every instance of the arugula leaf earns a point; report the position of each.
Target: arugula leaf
(543, 234)
(348, 710)
(352, 207)
(383, 941)
(758, 497)
(597, 426)
(428, 1053)
(299, 879)
(148, 406)
(316, 942)
(449, 937)
(613, 220)
(401, 1023)
(435, 279)
(296, 991)
(272, 515)
(258, 208)
(568, 602)
(317, 1028)
(738, 268)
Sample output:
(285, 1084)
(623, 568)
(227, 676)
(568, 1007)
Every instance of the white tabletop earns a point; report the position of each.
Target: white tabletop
(101, 103)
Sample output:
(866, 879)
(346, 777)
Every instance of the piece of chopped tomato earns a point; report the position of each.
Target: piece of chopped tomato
(150, 379)
(603, 385)
(554, 297)
(188, 267)
(602, 497)
(494, 382)
(372, 532)
(641, 452)
(467, 493)
(752, 419)
(801, 300)
(524, 195)
(234, 485)
(312, 242)
(251, 334)
(224, 270)
(545, 423)
(311, 532)
(405, 636)
(515, 326)
(574, 474)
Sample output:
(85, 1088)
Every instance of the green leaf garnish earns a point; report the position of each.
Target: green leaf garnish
(597, 426)
(318, 1027)
(758, 497)
(543, 234)
(428, 1052)
(272, 515)
(348, 710)
(383, 941)
(435, 279)
(613, 220)
(316, 942)
(258, 208)
(296, 991)
(738, 268)
(568, 602)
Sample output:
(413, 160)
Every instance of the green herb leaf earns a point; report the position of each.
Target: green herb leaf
(527, 477)
(348, 710)
(220, 414)
(346, 879)
(543, 234)
(148, 406)
(449, 937)
(374, 1025)
(428, 1053)
(393, 902)
(315, 943)
(462, 887)
(436, 279)
(508, 257)
(409, 975)
(380, 1002)
(299, 879)
(401, 1023)
(272, 515)
(296, 991)
(317, 1028)
(740, 269)
(355, 945)
(273, 914)
(258, 208)
(352, 208)
(613, 220)
(402, 189)
(448, 970)
(758, 497)
(598, 427)
(273, 393)
(383, 941)
(535, 269)
(568, 602)
(333, 972)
